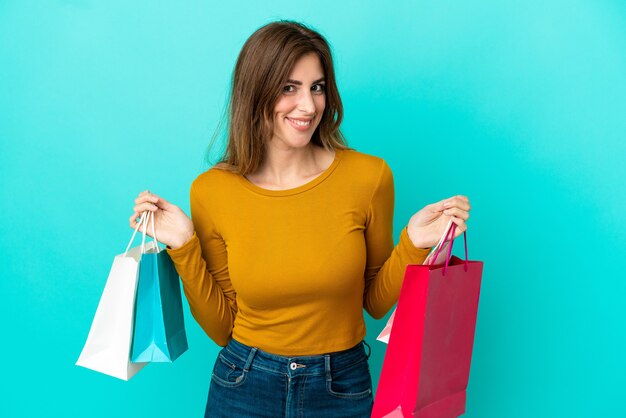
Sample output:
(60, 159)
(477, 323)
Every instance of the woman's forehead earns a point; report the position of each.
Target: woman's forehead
(308, 68)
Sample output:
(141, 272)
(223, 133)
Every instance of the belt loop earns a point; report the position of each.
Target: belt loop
(327, 367)
(246, 366)
(369, 349)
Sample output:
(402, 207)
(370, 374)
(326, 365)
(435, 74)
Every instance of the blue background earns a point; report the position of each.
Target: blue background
(518, 105)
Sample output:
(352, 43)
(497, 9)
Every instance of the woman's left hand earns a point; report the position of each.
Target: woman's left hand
(428, 225)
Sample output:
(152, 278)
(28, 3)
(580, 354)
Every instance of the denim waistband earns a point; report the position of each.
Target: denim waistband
(253, 357)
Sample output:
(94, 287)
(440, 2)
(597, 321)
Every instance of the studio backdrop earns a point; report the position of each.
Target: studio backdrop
(518, 105)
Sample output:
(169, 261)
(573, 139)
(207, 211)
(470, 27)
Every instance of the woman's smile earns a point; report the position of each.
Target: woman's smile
(300, 124)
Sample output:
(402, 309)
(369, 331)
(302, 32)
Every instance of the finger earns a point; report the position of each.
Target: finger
(461, 226)
(144, 193)
(459, 213)
(147, 198)
(439, 206)
(458, 202)
(134, 219)
(162, 203)
(145, 206)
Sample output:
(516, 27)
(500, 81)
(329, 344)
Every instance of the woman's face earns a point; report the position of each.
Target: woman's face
(301, 104)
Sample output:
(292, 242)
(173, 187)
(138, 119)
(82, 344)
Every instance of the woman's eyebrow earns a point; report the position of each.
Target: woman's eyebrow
(299, 83)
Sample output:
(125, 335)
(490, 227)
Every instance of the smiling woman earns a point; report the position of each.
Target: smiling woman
(284, 78)
(291, 239)
(301, 103)
(297, 114)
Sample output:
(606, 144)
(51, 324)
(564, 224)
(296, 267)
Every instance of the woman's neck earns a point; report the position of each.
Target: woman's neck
(285, 168)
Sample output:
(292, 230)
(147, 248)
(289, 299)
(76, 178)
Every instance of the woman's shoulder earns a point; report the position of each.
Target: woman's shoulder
(363, 173)
(367, 165)
(215, 178)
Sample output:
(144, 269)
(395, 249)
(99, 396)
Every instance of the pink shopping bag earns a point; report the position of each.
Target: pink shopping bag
(426, 367)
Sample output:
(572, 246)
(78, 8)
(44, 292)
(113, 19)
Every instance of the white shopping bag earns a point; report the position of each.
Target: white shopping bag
(386, 332)
(108, 345)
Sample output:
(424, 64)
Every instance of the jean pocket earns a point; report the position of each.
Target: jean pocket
(227, 372)
(353, 382)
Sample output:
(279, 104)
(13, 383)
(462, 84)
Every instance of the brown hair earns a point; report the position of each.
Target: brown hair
(263, 67)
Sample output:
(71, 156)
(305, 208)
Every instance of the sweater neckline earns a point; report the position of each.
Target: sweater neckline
(303, 188)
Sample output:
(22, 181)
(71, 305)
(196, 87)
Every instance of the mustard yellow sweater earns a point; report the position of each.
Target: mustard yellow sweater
(290, 271)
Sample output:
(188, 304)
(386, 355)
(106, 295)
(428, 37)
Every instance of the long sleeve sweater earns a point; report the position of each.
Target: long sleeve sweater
(290, 271)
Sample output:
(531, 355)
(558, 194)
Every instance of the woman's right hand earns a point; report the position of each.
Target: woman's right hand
(173, 227)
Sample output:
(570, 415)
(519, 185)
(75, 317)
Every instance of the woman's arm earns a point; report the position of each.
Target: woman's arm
(207, 285)
(199, 255)
(202, 264)
(385, 264)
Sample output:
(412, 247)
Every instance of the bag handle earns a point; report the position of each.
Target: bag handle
(143, 220)
(143, 215)
(434, 250)
(450, 233)
(155, 239)
(149, 218)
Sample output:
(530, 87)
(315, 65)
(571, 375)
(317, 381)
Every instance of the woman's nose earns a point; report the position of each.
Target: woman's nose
(306, 103)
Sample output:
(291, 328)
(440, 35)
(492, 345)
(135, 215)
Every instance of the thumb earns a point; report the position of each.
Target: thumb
(162, 203)
(438, 207)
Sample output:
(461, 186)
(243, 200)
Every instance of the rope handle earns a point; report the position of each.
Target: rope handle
(146, 216)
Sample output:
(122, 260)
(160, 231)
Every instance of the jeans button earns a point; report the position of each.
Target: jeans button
(293, 366)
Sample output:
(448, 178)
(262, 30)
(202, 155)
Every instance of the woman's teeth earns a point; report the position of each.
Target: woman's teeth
(300, 123)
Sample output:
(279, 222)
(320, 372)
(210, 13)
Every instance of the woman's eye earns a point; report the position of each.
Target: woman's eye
(317, 88)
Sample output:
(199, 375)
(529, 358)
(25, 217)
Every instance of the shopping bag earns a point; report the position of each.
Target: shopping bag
(384, 334)
(426, 366)
(108, 345)
(159, 331)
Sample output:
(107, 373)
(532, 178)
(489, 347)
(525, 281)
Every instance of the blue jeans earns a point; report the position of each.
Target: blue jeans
(249, 382)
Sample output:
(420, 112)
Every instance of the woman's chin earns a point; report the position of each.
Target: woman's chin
(293, 141)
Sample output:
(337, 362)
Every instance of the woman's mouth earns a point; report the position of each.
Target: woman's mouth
(300, 125)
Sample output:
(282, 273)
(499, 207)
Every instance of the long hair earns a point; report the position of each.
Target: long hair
(263, 67)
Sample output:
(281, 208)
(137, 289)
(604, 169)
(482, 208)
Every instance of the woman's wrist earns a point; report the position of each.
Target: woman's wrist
(415, 241)
(182, 240)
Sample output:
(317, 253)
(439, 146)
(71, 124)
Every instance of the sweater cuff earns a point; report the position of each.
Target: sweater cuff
(416, 255)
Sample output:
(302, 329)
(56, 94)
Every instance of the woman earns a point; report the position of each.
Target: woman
(291, 238)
